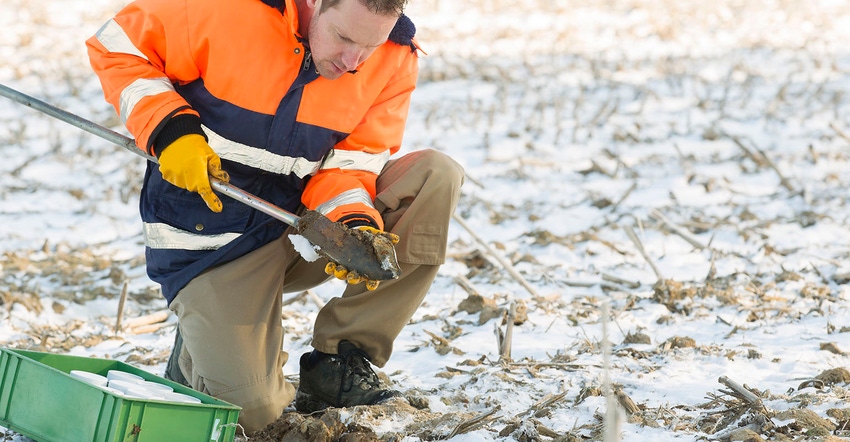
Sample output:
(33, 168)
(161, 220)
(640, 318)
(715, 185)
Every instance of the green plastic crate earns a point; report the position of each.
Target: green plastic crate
(40, 399)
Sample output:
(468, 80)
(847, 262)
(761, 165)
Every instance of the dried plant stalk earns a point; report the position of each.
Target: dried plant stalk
(121, 301)
(742, 392)
(152, 318)
(630, 232)
(683, 233)
(506, 265)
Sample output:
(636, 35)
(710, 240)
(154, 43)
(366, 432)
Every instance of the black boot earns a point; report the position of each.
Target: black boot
(172, 368)
(341, 380)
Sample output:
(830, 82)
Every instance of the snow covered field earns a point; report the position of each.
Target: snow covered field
(682, 165)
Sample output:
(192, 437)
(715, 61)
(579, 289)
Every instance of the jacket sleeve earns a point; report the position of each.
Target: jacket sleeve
(128, 55)
(344, 187)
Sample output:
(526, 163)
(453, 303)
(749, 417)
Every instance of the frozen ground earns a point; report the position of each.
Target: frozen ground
(683, 163)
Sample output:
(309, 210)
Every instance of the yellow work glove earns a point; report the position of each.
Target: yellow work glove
(188, 163)
(352, 277)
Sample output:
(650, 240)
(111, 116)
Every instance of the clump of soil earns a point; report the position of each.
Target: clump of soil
(833, 376)
(478, 304)
(806, 420)
(637, 338)
(680, 342)
(383, 246)
(358, 424)
(327, 426)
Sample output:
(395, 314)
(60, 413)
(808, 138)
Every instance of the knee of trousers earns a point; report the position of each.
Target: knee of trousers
(447, 170)
(262, 402)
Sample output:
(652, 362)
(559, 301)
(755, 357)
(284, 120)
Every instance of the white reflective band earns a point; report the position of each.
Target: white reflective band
(114, 39)
(352, 196)
(141, 88)
(355, 160)
(259, 158)
(163, 236)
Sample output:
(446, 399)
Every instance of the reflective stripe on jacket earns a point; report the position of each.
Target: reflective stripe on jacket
(283, 132)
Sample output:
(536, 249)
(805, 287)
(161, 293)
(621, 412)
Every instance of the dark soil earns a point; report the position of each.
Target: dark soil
(358, 424)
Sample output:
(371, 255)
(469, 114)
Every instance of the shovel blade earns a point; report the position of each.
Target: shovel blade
(371, 256)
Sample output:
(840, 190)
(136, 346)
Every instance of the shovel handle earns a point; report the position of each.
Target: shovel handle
(254, 201)
(331, 239)
(74, 120)
(130, 144)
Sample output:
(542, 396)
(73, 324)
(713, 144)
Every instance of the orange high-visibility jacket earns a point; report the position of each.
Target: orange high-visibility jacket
(238, 72)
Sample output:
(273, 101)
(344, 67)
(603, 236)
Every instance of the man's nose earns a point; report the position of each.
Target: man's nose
(351, 58)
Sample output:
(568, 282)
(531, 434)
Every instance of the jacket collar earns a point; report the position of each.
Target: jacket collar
(289, 11)
(274, 3)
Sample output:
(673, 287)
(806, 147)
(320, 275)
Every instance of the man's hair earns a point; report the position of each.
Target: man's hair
(377, 6)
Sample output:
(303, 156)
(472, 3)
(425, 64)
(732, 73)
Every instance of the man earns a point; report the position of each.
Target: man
(300, 102)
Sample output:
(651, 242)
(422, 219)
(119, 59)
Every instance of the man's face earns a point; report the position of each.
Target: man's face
(345, 35)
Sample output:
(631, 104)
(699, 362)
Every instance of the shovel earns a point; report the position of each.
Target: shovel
(370, 256)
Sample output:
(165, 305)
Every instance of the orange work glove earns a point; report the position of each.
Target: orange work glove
(188, 163)
(351, 277)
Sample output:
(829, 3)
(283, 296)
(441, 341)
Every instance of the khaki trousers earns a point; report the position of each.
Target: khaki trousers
(230, 316)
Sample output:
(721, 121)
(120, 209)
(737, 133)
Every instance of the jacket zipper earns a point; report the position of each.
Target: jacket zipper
(308, 56)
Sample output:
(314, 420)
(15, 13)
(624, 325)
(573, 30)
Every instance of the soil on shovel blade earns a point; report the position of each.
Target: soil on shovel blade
(372, 255)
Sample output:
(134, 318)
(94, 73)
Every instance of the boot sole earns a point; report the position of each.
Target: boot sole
(307, 403)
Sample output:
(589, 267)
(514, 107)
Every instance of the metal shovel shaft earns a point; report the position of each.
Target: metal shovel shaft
(368, 260)
(254, 201)
(73, 120)
(130, 144)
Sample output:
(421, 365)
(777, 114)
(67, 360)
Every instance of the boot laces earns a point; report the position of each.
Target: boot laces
(357, 372)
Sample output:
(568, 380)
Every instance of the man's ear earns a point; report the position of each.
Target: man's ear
(313, 4)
